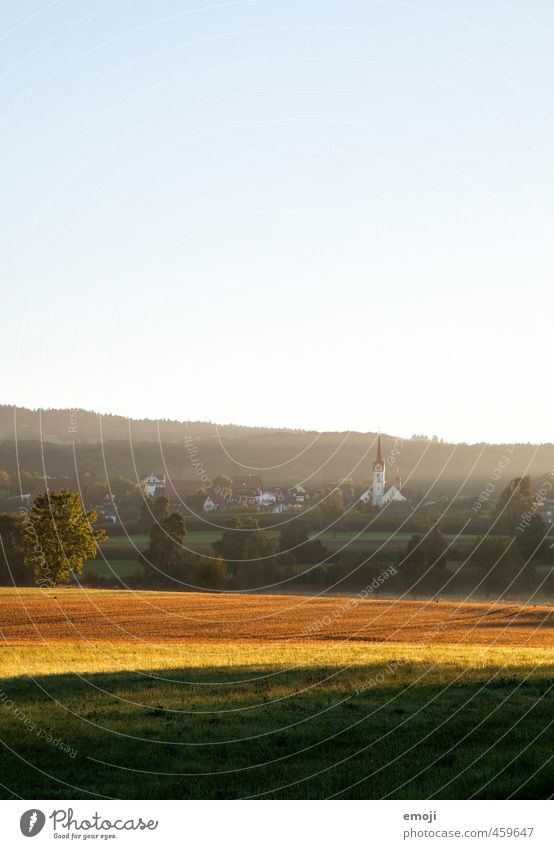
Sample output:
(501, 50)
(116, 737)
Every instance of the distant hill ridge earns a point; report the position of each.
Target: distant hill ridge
(76, 425)
(115, 445)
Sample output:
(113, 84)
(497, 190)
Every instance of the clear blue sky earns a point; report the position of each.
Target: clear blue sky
(327, 215)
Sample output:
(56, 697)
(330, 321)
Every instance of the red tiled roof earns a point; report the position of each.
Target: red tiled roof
(246, 483)
(176, 490)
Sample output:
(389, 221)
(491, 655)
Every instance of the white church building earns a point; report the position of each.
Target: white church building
(377, 494)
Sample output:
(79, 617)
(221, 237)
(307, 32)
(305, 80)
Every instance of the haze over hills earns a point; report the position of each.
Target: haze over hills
(59, 442)
(75, 425)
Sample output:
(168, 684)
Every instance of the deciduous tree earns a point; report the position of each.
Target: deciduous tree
(166, 559)
(58, 536)
(423, 563)
(248, 552)
(154, 510)
(331, 508)
(515, 501)
(497, 564)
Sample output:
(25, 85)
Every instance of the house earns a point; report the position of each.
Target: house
(24, 499)
(107, 512)
(393, 493)
(266, 499)
(297, 494)
(246, 489)
(153, 484)
(214, 502)
(546, 510)
(178, 491)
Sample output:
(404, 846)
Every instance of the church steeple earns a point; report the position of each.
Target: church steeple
(379, 458)
(378, 491)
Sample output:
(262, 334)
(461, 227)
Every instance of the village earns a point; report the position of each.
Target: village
(205, 494)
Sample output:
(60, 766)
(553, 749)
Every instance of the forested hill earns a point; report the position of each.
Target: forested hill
(83, 426)
(69, 441)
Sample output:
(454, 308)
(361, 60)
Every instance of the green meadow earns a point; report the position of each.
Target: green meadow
(200, 542)
(278, 720)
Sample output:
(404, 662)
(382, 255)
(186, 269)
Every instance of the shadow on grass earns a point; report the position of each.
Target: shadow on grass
(369, 731)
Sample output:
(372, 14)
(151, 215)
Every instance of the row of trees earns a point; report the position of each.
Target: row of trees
(50, 541)
(504, 559)
(245, 556)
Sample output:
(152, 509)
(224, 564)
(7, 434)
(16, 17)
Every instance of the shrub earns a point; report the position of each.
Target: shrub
(211, 573)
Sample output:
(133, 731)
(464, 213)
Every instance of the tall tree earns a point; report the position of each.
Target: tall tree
(531, 539)
(13, 568)
(58, 536)
(121, 487)
(423, 563)
(96, 492)
(232, 544)
(165, 559)
(293, 534)
(248, 551)
(515, 500)
(331, 508)
(222, 484)
(154, 510)
(295, 546)
(127, 497)
(497, 563)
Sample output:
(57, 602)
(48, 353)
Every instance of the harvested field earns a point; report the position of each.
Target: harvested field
(175, 695)
(30, 616)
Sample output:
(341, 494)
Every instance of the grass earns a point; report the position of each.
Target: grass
(370, 541)
(117, 543)
(202, 697)
(116, 553)
(107, 569)
(282, 721)
(197, 541)
(201, 541)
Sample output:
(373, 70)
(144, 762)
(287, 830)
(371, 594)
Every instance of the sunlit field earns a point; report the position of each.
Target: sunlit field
(169, 695)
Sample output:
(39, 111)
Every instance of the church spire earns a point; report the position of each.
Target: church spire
(379, 457)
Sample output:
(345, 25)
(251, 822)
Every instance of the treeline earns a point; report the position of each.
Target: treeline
(507, 560)
(77, 425)
(47, 544)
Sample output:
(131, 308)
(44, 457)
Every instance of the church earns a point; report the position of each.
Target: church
(376, 493)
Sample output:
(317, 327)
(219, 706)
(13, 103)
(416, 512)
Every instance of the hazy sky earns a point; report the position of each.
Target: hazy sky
(328, 215)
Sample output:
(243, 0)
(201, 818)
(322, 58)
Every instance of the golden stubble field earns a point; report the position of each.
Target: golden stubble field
(31, 616)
